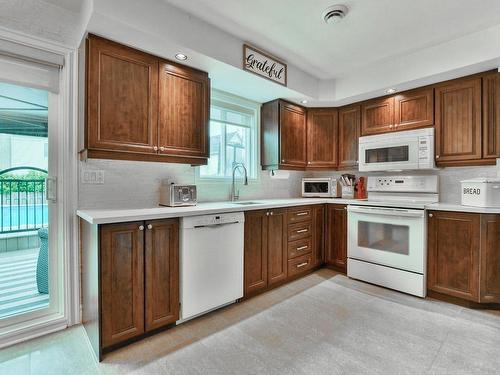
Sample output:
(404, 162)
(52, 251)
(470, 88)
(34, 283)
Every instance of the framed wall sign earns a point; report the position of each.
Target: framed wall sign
(264, 65)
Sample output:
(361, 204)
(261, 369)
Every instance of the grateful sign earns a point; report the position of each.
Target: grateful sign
(264, 65)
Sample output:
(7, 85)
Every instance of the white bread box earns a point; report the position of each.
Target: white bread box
(481, 192)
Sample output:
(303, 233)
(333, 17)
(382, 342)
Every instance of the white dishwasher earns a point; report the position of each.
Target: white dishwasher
(211, 262)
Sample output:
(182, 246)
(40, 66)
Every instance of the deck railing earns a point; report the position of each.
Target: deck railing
(23, 206)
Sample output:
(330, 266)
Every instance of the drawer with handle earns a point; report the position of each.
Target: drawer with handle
(299, 231)
(299, 264)
(299, 247)
(299, 214)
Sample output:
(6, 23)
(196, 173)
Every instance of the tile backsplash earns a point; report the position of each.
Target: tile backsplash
(137, 184)
(131, 184)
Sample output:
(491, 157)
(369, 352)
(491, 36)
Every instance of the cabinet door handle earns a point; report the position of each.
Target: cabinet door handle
(272, 213)
(267, 213)
(302, 231)
(162, 148)
(150, 226)
(302, 247)
(302, 213)
(141, 227)
(282, 160)
(431, 215)
(302, 264)
(155, 148)
(437, 156)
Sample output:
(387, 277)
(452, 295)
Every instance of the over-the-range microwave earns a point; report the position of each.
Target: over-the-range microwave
(398, 151)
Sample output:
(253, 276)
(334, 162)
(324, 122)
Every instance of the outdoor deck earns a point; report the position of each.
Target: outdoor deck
(18, 289)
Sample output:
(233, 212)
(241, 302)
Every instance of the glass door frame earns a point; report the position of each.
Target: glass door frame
(64, 285)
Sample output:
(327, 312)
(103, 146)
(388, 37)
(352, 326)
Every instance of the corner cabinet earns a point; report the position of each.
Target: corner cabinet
(139, 107)
(130, 280)
(283, 136)
(322, 138)
(463, 255)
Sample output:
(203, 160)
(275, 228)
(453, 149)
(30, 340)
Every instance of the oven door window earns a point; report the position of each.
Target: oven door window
(316, 187)
(385, 237)
(387, 154)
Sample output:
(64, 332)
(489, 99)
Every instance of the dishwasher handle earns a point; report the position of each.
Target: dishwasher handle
(215, 225)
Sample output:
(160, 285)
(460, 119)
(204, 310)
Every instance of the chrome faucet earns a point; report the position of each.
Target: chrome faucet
(235, 195)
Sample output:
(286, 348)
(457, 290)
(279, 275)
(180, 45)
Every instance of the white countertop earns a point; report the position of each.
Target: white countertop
(460, 208)
(114, 215)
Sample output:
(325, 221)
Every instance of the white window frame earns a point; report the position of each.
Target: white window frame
(233, 102)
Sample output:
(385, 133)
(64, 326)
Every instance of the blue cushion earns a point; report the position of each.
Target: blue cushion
(42, 265)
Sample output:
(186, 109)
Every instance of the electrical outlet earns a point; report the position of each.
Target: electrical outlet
(94, 177)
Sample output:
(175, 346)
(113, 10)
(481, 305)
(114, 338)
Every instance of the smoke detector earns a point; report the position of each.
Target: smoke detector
(335, 13)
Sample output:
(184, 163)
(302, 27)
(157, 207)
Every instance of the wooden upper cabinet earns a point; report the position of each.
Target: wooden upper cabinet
(490, 259)
(454, 254)
(414, 109)
(122, 98)
(336, 236)
(491, 116)
(122, 282)
(277, 251)
(377, 116)
(322, 138)
(184, 106)
(283, 136)
(140, 107)
(161, 273)
(292, 136)
(255, 250)
(349, 129)
(458, 121)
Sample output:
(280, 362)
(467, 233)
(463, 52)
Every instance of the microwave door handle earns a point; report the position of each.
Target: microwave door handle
(386, 211)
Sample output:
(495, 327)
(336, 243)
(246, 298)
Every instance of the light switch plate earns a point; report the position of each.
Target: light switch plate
(93, 177)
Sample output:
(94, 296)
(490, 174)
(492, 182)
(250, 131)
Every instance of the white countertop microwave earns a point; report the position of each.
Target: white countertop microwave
(321, 187)
(398, 151)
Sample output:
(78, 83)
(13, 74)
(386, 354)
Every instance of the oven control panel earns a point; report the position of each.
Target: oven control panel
(421, 184)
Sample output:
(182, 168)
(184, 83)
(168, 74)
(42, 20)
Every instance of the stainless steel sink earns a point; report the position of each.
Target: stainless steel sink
(245, 203)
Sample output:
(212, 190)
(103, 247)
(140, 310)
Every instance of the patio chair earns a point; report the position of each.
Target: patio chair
(42, 265)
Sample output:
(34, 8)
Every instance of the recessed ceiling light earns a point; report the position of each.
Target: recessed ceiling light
(181, 56)
(391, 91)
(335, 13)
(303, 101)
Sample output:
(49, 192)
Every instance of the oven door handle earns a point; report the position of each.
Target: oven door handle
(386, 211)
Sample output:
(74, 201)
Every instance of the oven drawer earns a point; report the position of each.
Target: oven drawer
(299, 231)
(299, 264)
(299, 214)
(299, 247)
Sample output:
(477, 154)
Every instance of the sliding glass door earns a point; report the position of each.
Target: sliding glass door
(29, 255)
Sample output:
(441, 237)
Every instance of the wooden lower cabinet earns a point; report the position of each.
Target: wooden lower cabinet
(139, 278)
(276, 246)
(318, 235)
(336, 236)
(490, 259)
(281, 243)
(161, 273)
(463, 255)
(255, 251)
(122, 282)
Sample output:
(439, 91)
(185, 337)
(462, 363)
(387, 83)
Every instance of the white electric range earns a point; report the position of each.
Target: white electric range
(387, 241)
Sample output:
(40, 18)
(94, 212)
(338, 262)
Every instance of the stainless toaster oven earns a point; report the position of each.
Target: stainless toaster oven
(174, 195)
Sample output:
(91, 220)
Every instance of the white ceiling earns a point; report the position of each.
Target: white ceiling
(373, 31)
